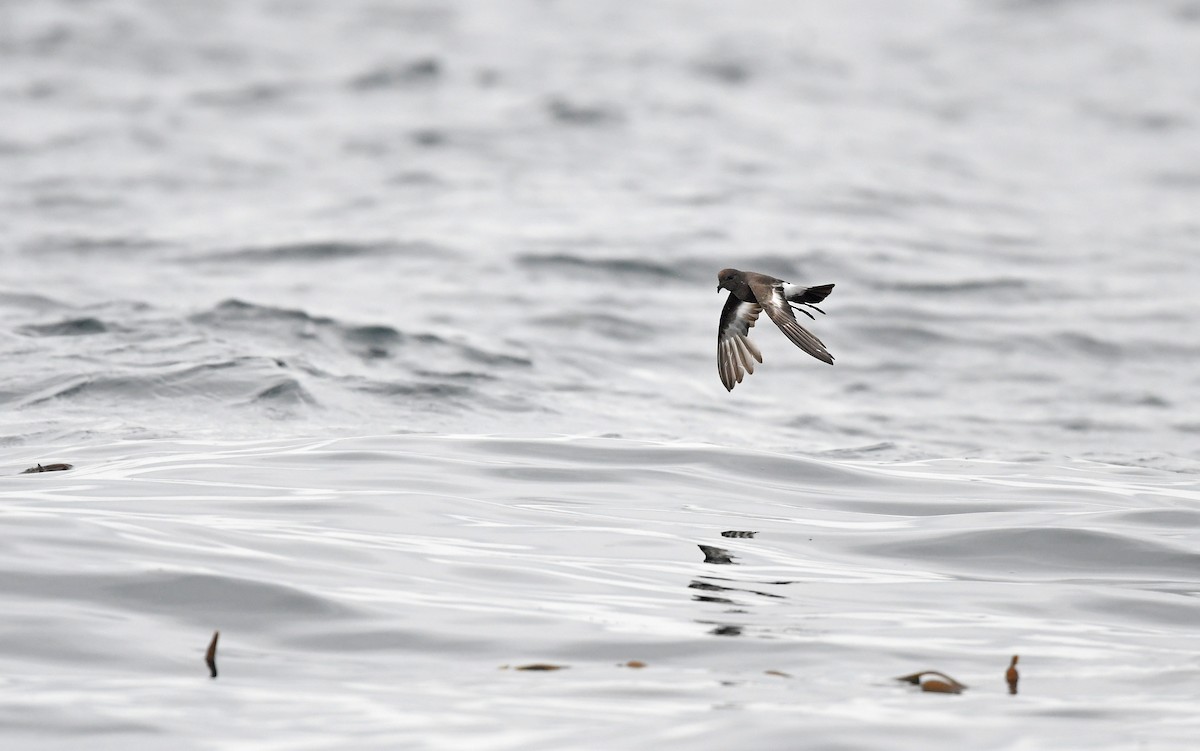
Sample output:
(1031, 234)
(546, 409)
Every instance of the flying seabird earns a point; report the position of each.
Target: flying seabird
(749, 295)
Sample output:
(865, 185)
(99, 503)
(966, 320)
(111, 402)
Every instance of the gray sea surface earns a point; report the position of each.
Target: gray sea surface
(381, 338)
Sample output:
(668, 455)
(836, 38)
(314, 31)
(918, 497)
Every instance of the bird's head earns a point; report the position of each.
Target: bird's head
(726, 278)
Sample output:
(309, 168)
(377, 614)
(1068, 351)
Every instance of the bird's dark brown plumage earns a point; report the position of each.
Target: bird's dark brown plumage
(749, 295)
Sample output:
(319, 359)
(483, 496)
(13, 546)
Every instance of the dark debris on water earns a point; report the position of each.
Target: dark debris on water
(60, 467)
(715, 555)
(1011, 676)
(540, 667)
(210, 655)
(934, 681)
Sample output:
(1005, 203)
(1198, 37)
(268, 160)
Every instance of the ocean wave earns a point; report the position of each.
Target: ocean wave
(726, 70)
(1058, 552)
(285, 391)
(423, 71)
(233, 380)
(440, 390)
(263, 94)
(70, 327)
(1006, 285)
(570, 112)
(610, 326)
(369, 342)
(28, 301)
(562, 262)
(317, 251)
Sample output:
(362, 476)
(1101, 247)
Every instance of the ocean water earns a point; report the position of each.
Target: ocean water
(380, 338)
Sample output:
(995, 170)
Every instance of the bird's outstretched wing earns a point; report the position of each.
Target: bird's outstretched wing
(772, 300)
(735, 352)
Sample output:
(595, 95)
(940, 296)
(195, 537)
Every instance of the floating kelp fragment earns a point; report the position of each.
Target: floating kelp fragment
(47, 468)
(210, 656)
(635, 664)
(1011, 675)
(737, 533)
(540, 666)
(932, 681)
(933, 685)
(715, 555)
(779, 673)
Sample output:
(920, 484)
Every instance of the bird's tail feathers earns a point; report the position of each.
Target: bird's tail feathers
(810, 295)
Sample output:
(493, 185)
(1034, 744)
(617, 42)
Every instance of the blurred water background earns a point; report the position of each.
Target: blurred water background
(381, 335)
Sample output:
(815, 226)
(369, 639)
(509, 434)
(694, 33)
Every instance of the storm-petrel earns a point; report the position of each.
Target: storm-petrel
(749, 295)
